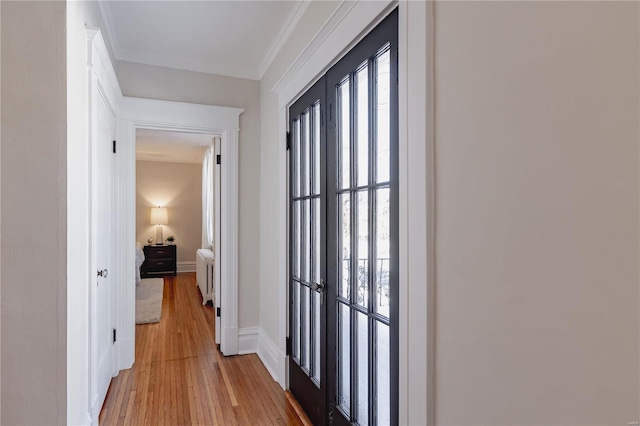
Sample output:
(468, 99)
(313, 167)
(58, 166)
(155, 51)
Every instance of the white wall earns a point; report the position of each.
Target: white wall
(537, 212)
(178, 187)
(34, 213)
(145, 81)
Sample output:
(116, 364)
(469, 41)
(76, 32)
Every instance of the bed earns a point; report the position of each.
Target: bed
(204, 275)
(139, 261)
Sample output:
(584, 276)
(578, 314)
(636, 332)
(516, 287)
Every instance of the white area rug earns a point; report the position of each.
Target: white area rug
(149, 300)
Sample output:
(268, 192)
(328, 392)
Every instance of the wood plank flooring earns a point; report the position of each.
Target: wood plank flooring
(181, 378)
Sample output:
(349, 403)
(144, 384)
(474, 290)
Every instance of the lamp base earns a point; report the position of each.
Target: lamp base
(159, 238)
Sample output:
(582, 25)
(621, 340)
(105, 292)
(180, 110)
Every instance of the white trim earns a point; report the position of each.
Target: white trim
(417, 213)
(188, 266)
(176, 116)
(283, 35)
(216, 233)
(283, 221)
(167, 115)
(229, 168)
(98, 60)
(248, 340)
(343, 29)
(272, 357)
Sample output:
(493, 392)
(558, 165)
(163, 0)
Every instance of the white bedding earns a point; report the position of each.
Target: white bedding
(204, 274)
(139, 260)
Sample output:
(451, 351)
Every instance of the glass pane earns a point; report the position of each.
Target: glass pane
(316, 333)
(306, 336)
(296, 319)
(382, 252)
(306, 164)
(296, 239)
(362, 120)
(306, 243)
(344, 134)
(296, 155)
(344, 360)
(344, 213)
(316, 149)
(362, 295)
(383, 376)
(363, 367)
(316, 236)
(383, 114)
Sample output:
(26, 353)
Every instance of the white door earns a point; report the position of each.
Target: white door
(218, 257)
(102, 329)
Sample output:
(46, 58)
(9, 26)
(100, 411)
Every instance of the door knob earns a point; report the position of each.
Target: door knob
(103, 273)
(319, 287)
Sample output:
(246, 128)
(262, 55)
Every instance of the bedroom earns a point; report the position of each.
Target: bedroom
(171, 224)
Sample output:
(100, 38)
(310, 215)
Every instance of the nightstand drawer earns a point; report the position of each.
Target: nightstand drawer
(160, 252)
(157, 265)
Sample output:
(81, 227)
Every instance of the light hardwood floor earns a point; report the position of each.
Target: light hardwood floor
(181, 378)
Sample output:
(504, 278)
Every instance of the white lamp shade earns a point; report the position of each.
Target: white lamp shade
(159, 216)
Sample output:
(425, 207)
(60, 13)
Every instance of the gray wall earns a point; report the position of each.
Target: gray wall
(145, 81)
(34, 213)
(537, 192)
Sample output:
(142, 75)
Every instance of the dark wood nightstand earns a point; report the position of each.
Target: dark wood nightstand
(159, 260)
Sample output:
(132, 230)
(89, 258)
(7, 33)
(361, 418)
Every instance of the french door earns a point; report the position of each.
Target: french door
(344, 238)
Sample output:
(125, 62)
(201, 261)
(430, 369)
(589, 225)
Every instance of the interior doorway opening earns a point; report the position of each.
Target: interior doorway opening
(178, 199)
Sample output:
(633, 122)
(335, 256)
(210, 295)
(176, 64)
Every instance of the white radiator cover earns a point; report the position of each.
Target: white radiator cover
(205, 275)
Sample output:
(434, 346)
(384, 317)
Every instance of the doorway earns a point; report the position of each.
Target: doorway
(343, 268)
(136, 113)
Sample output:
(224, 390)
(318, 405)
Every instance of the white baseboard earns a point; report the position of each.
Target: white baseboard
(272, 358)
(186, 266)
(248, 340)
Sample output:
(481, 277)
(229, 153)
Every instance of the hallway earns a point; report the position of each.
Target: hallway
(180, 377)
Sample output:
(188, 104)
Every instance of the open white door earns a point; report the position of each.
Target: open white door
(216, 239)
(102, 330)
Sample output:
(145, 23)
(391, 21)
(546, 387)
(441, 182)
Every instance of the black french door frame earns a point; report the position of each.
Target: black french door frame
(321, 398)
(363, 54)
(310, 392)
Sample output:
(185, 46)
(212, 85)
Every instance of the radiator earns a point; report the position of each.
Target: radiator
(205, 274)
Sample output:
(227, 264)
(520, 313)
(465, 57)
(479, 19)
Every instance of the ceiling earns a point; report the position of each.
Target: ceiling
(233, 38)
(172, 147)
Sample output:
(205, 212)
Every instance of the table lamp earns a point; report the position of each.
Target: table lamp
(159, 217)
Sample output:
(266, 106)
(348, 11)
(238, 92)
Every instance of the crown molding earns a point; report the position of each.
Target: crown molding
(283, 35)
(327, 29)
(109, 28)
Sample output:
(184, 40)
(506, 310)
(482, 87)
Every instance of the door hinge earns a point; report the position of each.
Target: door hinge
(331, 406)
(288, 142)
(288, 345)
(114, 147)
(218, 159)
(217, 312)
(114, 335)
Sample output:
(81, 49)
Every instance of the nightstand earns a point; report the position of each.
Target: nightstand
(159, 260)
